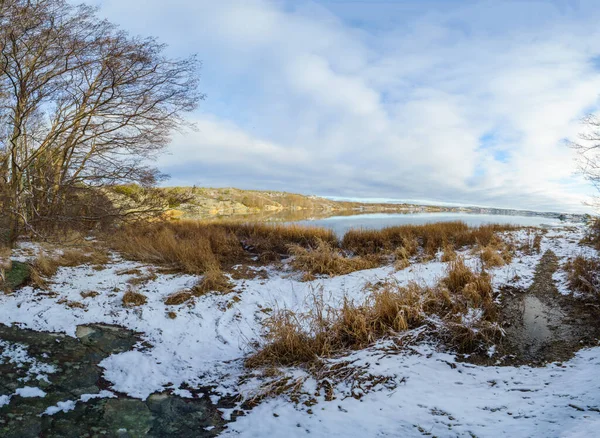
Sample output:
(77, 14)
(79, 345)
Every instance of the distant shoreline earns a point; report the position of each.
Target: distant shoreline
(207, 203)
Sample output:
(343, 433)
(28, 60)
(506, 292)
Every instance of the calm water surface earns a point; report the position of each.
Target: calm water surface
(341, 224)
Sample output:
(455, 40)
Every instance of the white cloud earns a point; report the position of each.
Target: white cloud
(303, 100)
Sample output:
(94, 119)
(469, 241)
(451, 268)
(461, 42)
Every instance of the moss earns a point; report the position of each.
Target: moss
(17, 276)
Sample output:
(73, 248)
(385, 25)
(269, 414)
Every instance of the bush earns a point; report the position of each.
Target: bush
(583, 274)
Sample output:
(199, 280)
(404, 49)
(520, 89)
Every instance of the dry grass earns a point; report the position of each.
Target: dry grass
(532, 243)
(431, 238)
(583, 274)
(458, 275)
(206, 247)
(5, 263)
(189, 246)
(460, 310)
(278, 238)
(45, 266)
(132, 298)
(495, 255)
(327, 260)
(178, 298)
(592, 236)
(89, 294)
(72, 304)
(142, 278)
(82, 256)
(196, 247)
(448, 253)
(214, 280)
(401, 258)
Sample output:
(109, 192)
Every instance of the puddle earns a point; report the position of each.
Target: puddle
(538, 321)
(541, 325)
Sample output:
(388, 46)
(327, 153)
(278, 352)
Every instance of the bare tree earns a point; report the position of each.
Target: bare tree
(588, 151)
(83, 105)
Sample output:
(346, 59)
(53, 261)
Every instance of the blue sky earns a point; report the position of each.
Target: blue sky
(459, 101)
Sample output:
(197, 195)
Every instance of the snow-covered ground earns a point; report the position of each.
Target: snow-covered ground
(206, 343)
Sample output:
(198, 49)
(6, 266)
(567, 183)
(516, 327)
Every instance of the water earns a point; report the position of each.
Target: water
(341, 224)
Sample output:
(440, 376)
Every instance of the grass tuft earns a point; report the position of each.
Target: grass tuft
(178, 298)
(213, 281)
(132, 298)
(327, 260)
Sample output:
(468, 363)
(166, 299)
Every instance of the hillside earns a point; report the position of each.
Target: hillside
(212, 202)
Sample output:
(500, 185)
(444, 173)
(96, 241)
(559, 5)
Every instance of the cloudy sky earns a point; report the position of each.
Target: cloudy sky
(464, 101)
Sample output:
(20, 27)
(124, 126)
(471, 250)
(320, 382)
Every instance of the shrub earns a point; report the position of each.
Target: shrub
(583, 274)
(592, 236)
(15, 274)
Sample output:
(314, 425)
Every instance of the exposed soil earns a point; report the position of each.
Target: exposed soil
(543, 325)
(77, 373)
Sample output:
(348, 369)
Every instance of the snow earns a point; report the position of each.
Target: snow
(65, 406)
(69, 405)
(446, 398)
(30, 392)
(206, 343)
(17, 355)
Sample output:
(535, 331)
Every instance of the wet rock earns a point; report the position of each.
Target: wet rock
(127, 417)
(76, 372)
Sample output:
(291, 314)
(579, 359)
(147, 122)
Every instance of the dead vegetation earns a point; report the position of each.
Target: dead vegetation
(178, 298)
(460, 310)
(533, 242)
(583, 274)
(46, 263)
(213, 281)
(327, 260)
(198, 247)
(142, 278)
(592, 236)
(132, 298)
(430, 238)
(497, 253)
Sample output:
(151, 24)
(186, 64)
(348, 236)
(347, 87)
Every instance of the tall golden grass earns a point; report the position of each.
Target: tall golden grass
(197, 247)
(430, 237)
(328, 260)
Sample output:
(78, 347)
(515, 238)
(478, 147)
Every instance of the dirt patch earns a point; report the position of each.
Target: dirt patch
(543, 325)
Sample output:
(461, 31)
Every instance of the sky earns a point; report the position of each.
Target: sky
(460, 101)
